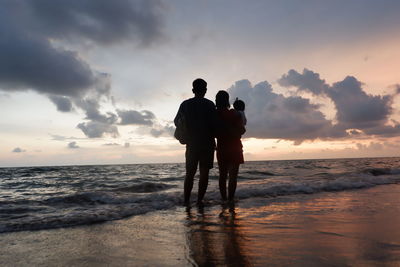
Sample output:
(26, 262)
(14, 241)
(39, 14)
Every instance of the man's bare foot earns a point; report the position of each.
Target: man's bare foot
(200, 203)
(186, 203)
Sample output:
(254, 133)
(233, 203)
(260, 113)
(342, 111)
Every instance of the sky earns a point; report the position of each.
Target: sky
(100, 82)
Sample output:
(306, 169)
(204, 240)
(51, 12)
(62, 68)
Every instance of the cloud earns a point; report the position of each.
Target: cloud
(162, 130)
(34, 56)
(111, 144)
(156, 132)
(397, 88)
(18, 150)
(355, 109)
(92, 111)
(62, 103)
(29, 29)
(100, 21)
(57, 137)
(94, 129)
(370, 146)
(134, 117)
(28, 62)
(72, 145)
(106, 124)
(306, 81)
(127, 145)
(102, 124)
(272, 115)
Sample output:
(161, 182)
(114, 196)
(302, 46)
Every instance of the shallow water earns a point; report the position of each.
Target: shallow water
(347, 228)
(34, 198)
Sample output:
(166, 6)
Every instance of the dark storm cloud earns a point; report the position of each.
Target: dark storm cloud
(355, 109)
(134, 117)
(94, 129)
(72, 145)
(101, 21)
(32, 56)
(28, 58)
(272, 115)
(62, 103)
(384, 130)
(29, 62)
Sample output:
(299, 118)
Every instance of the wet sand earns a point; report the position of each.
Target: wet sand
(350, 228)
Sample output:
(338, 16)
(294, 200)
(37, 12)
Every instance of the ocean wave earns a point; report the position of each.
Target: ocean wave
(17, 209)
(307, 167)
(259, 173)
(105, 207)
(338, 184)
(95, 207)
(173, 179)
(145, 187)
(77, 195)
(89, 198)
(382, 171)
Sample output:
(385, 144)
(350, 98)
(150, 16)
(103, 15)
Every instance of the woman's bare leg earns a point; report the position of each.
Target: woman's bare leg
(233, 173)
(223, 174)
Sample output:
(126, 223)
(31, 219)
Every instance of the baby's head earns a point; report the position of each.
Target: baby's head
(238, 105)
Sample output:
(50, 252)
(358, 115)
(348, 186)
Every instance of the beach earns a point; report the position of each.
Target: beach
(346, 228)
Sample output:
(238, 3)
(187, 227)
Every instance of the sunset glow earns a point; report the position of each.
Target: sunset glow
(320, 79)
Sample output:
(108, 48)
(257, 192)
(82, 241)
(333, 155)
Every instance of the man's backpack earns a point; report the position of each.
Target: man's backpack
(181, 133)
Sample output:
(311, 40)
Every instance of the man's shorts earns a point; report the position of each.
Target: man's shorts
(201, 156)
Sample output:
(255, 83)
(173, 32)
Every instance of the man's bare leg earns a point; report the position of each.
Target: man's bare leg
(203, 183)
(188, 185)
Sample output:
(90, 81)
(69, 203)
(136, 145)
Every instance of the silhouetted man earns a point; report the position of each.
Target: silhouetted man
(198, 115)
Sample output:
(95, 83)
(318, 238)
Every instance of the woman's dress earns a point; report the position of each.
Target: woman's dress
(229, 131)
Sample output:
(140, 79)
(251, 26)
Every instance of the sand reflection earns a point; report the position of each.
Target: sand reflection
(216, 239)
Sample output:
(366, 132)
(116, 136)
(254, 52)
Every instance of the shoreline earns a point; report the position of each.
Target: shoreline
(183, 162)
(355, 227)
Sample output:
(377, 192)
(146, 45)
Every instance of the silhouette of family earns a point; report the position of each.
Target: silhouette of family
(198, 123)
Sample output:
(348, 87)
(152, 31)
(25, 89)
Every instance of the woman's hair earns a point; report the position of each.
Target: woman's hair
(222, 99)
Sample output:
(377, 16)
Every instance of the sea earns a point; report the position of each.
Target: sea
(34, 198)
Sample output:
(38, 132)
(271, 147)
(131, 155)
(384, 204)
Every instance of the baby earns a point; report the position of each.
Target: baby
(239, 106)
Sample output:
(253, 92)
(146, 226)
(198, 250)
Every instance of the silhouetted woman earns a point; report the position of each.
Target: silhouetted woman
(229, 147)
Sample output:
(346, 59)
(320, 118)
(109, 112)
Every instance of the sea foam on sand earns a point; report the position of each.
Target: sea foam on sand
(347, 228)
